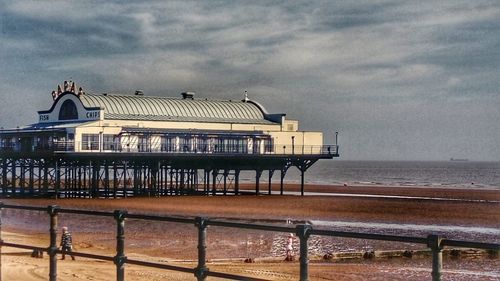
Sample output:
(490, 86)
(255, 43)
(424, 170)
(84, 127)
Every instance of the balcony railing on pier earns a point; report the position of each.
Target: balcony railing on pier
(230, 149)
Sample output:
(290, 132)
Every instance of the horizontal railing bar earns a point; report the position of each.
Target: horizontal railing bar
(160, 218)
(90, 256)
(467, 244)
(44, 249)
(29, 208)
(159, 265)
(85, 212)
(190, 270)
(233, 277)
(383, 237)
(22, 246)
(251, 226)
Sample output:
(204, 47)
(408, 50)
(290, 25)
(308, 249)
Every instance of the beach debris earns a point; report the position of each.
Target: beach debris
(455, 253)
(408, 254)
(369, 255)
(328, 256)
(37, 253)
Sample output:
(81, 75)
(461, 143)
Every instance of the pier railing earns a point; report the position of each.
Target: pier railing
(209, 149)
(303, 231)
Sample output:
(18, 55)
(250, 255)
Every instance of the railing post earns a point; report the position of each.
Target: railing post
(52, 250)
(434, 242)
(120, 257)
(303, 231)
(201, 270)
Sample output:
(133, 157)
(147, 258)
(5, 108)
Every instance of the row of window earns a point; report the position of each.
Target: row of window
(177, 144)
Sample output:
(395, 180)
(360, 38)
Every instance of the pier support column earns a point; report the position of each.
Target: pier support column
(14, 180)
(258, 173)
(57, 175)
(116, 180)
(215, 172)
(226, 173)
(271, 172)
(236, 182)
(22, 176)
(206, 182)
(125, 179)
(283, 173)
(45, 177)
(4, 177)
(95, 180)
(106, 180)
(136, 180)
(302, 174)
(31, 177)
(154, 190)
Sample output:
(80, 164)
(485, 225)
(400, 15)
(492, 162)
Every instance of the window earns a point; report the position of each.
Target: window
(269, 145)
(202, 145)
(110, 142)
(143, 145)
(185, 144)
(167, 143)
(68, 111)
(90, 141)
(289, 127)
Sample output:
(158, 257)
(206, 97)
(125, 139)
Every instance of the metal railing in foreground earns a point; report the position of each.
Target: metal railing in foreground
(303, 231)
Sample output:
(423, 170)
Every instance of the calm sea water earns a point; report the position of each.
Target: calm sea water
(399, 173)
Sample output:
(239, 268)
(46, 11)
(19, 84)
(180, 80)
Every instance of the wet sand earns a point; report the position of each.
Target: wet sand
(227, 247)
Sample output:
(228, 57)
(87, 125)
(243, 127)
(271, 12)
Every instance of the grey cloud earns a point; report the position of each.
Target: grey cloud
(52, 37)
(392, 76)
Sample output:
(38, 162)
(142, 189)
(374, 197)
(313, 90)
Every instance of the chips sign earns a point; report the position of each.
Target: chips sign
(92, 115)
(53, 117)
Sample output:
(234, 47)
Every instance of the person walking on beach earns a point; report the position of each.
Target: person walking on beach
(66, 243)
(289, 248)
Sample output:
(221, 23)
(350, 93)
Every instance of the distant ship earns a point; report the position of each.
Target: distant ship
(459, 159)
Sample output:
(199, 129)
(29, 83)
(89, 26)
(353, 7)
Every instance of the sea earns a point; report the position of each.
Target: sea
(398, 173)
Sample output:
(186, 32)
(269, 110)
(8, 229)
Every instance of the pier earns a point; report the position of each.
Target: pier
(116, 145)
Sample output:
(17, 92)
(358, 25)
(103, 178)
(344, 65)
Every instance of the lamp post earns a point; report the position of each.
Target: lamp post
(336, 143)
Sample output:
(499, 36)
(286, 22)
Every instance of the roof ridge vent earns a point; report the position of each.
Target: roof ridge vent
(246, 99)
(188, 95)
(139, 93)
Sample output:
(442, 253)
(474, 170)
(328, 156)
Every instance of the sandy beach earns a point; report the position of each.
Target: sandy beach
(457, 213)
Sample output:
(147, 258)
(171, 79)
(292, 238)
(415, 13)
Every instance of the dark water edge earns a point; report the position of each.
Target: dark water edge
(396, 173)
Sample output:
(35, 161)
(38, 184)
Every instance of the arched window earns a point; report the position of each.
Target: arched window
(68, 111)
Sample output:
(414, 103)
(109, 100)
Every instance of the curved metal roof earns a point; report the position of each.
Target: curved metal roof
(139, 107)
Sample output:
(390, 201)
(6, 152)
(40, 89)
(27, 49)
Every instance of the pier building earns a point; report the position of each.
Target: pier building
(102, 145)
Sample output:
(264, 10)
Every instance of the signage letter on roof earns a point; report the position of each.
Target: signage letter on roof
(44, 117)
(93, 115)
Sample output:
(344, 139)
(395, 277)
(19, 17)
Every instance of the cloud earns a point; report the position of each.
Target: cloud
(371, 68)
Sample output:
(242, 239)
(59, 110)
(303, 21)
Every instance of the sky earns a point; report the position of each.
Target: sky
(399, 80)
